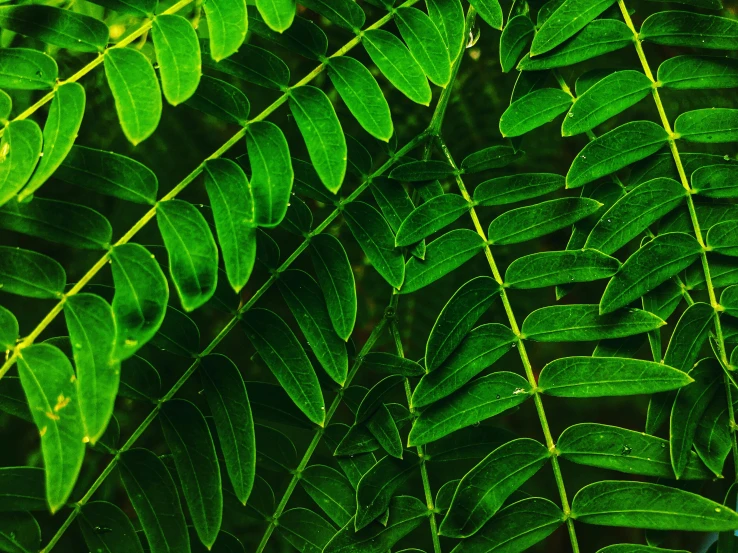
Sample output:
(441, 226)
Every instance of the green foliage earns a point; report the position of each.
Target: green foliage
(418, 311)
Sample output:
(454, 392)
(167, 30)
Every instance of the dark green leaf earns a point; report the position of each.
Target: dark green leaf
(688, 337)
(377, 487)
(336, 279)
(682, 28)
(569, 18)
(515, 38)
(305, 530)
(382, 426)
(389, 363)
(271, 172)
(551, 268)
(8, 329)
(331, 491)
(119, 535)
(220, 99)
(716, 181)
(251, 64)
(19, 532)
(696, 72)
(345, 13)
(374, 398)
(708, 125)
(430, 217)
(515, 188)
(139, 380)
(493, 157)
(22, 489)
(416, 171)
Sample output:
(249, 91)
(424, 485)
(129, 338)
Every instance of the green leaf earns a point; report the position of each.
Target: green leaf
(490, 11)
(479, 349)
(48, 381)
(322, 132)
(632, 548)
(276, 451)
(220, 99)
(283, 354)
(527, 223)
(729, 300)
(467, 443)
(708, 125)
(682, 28)
(712, 441)
(139, 380)
(394, 60)
(188, 437)
(425, 43)
(57, 26)
(614, 448)
(344, 13)
(698, 72)
(382, 426)
(494, 157)
(605, 99)
(331, 491)
(405, 514)
(568, 19)
(19, 153)
(8, 329)
(443, 255)
(655, 262)
(377, 487)
(227, 26)
(362, 95)
(252, 64)
(515, 528)
(552, 268)
(374, 398)
(721, 238)
(336, 279)
(19, 532)
(271, 172)
(448, 17)
(515, 188)
(614, 150)
(305, 530)
(154, 497)
(416, 171)
(533, 110)
(575, 323)
(482, 398)
(485, 488)
(110, 174)
(278, 14)
(60, 131)
(138, 8)
(30, 274)
(716, 181)
(608, 376)
(650, 506)
(27, 69)
(22, 488)
(376, 239)
(136, 92)
(515, 38)
(305, 300)
(232, 202)
(141, 296)
(389, 363)
(119, 534)
(193, 255)
(229, 404)
(635, 212)
(689, 406)
(178, 55)
(457, 318)
(6, 105)
(92, 331)
(600, 37)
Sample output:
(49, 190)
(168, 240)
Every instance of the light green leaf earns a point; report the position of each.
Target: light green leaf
(575, 323)
(344, 13)
(141, 296)
(490, 11)
(482, 398)
(8, 329)
(611, 447)
(552, 268)
(479, 349)
(305, 530)
(227, 26)
(635, 212)
(6, 105)
(698, 72)
(278, 14)
(305, 300)
(60, 132)
(220, 99)
(448, 17)
(376, 239)
(136, 92)
(271, 172)
(362, 95)
(515, 528)
(232, 202)
(708, 125)
(382, 426)
(515, 188)
(27, 69)
(120, 535)
(682, 28)
(92, 332)
(178, 55)
(188, 437)
(110, 174)
(394, 60)
(48, 381)
(650, 506)
(30, 274)
(533, 110)
(494, 157)
(722, 238)
(19, 153)
(283, 354)
(193, 255)
(331, 491)
(57, 26)
(377, 487)
(425, 43)
(19, 532)
(485, 488)
(716, 181)
(608, 376)
(252, 64)
(336, 279)
(515, 38)
(655, 262)
(527, 223)
(568, 19)
(322, 132)
(152, 492)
